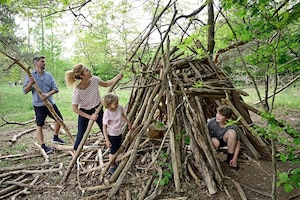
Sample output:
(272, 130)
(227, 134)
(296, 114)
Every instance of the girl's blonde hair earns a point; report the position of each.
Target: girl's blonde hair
(109, 99)
(72, 75)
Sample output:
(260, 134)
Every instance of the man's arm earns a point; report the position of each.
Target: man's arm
(28, 86)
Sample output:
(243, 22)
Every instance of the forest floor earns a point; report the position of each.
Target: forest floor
(253, 176)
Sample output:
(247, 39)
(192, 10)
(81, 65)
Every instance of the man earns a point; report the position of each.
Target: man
(47, 85)
(223, 134)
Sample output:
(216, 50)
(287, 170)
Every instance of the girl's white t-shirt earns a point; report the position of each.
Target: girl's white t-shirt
(113, 120)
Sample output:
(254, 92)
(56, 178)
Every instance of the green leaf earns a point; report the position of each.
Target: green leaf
(288, 187)
(283, 176)
(198, 84)
(283, 158)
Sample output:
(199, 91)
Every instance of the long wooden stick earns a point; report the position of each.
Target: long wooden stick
(46, 101)
(85, 136)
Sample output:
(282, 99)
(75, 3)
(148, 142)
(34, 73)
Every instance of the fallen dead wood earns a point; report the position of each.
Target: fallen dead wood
(11, 156)
(176, 198)
(27, 166)
(294, 196)
(45, 155)
(32, 171)
(61, 131)
(157, 189)
(12, 188)
(14, 139)
(14, 122)
(34, 186)
(26, 157)
(70, 148)
(256, 190)
(25, 190)
(97, 188)
(239, 189)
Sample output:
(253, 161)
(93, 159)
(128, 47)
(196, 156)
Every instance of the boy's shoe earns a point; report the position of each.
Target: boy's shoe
(58, 140)
(48, 150)
(112, 170)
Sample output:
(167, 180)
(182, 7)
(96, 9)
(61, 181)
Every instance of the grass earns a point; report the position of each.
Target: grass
(17, 107)
(285, 100)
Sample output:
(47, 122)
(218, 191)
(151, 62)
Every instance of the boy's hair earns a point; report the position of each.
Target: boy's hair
(225, 110)
(109, 99)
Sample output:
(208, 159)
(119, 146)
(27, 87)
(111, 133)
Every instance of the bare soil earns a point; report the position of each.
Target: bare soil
(254, 177)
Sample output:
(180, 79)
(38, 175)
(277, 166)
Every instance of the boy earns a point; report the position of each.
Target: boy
(222, 134)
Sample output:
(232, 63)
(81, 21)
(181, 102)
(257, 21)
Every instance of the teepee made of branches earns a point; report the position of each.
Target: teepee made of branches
(167, 92)
(182, 93)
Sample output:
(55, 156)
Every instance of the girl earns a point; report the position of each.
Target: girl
(112, 124)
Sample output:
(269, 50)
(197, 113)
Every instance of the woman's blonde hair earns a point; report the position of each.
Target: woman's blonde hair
(72, 75)
(109, 99)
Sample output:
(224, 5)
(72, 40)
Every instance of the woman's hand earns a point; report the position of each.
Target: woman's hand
(93, 117)
(108, 143)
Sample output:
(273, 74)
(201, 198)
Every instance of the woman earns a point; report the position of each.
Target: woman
(86, 97)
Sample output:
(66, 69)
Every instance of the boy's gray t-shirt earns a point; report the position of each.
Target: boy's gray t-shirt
(216, 131)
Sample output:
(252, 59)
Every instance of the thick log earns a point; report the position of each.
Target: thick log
(175, 154)
(135, 147)
(208, 149)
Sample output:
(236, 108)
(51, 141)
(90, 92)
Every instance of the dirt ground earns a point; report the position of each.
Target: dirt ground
(254, 176)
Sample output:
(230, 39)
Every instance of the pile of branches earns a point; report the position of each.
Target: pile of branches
(170, 103)
(172, 97)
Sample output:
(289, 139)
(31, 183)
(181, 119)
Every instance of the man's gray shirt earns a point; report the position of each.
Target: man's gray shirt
(46, 83)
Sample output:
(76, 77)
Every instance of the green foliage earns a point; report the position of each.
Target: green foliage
(273, 130)
(167, 169)
(271, 37)
(231, 122)
(186, 138)
(160, 125)
(198, 84)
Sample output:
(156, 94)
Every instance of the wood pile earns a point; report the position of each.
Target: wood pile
(172, 97)
(183, 94)
(171, 100)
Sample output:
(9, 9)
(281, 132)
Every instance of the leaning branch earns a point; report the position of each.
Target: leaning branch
(46, 101)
